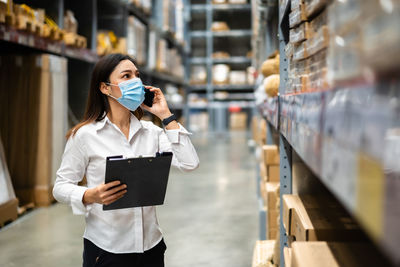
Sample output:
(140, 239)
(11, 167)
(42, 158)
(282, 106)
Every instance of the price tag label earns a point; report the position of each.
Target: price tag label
(31, 41)
(23, 40)
(7, 36)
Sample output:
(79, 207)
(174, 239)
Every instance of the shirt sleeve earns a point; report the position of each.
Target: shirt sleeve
(178, 142)
(70, 173)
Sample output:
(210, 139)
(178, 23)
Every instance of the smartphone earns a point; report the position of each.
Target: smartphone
(148, 97)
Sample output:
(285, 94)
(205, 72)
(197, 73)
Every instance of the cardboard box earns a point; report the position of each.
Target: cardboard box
(270, 154)
(263, 172)
(9, 211)
(40, 141)
(270, 194)
(291, 202)
(255, 128)
(272, 219)
(273, 173)
(263, 252)
(333, 254)
(238, 121)
(263, 133)
(273, 233)
(287, 255)
(310, 224)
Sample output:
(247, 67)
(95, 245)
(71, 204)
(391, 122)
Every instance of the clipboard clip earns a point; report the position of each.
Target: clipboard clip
(163, 154)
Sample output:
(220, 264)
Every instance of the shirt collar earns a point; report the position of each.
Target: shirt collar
(135, 125)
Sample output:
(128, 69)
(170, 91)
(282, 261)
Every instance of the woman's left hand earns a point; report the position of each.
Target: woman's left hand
(160, 106)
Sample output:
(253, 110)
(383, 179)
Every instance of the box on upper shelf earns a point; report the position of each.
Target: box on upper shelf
(297, 16)
(292, 202)
(270, 155)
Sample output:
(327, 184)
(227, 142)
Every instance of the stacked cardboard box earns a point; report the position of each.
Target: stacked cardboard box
(263, 253)
(33, 123)
(318, 218)
(306, 50)
(136, 40)
(334, 254)
(238, 121)
(269, 164)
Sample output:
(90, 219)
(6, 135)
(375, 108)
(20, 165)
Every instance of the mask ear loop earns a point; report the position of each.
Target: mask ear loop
(109, 94)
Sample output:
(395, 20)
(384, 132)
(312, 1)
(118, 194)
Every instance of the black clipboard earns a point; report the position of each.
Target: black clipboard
(146, 179)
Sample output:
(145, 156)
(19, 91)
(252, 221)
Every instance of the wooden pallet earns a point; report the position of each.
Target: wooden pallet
(8, 212)
(25, 208)
(75, 40)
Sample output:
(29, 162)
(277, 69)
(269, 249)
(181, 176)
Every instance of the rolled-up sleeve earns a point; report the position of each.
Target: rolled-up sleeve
(70, 173)
(178, 142)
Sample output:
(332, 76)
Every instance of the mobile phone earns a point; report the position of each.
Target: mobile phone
(148, 97)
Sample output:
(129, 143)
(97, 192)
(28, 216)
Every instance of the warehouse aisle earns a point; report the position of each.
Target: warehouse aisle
(209, 218)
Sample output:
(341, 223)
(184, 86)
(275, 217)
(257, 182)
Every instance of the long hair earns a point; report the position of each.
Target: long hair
(97, 105)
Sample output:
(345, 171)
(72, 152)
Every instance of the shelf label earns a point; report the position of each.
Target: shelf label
(7, 36)
(22, 39)
(31, 41)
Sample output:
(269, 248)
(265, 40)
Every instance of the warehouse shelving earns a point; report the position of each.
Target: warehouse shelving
(92, 16)
(30, 40)
(346, 136)
(204, 37)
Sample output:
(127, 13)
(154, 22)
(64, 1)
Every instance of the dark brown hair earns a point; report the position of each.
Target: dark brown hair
(97, 105)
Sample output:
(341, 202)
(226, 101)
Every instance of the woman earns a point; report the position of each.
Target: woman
(112, 126)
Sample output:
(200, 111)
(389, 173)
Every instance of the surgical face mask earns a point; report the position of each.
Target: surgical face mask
(132, 93)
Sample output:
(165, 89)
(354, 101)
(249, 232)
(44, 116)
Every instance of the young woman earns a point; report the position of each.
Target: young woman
(112, 126)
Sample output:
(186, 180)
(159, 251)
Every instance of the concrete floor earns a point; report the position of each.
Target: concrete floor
(209, 218)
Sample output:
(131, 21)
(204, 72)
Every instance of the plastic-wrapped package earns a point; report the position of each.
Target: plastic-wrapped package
(218, 26)
(313, 6)
(345, 57)
(300, 33)
(319, 41)
(297, 16)
(300, 51)
(342, 15)
(250, 72)
(381, 38)
(317, 68)
(289, 50)
(237, 77)
(198, 74)
(296, 3)
(319, 21)
(220, 54)
(221, 74)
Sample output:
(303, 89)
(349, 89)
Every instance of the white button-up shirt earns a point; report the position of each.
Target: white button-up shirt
(126, 230)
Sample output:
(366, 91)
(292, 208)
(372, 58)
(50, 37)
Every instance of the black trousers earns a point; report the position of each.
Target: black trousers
(95, 256)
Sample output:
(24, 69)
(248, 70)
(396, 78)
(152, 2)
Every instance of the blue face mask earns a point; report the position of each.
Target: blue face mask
(132, 93)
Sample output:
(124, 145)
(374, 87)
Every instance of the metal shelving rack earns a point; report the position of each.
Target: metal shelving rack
(91, 15)
(206, 35)
(328, 140)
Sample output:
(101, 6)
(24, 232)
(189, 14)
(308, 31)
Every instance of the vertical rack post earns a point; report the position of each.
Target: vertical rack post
(186, 35)
(209, 48)
(285, 151)
(284, 147)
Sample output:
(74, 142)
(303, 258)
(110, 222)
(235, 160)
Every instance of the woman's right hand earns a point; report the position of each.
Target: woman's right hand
(102, 194)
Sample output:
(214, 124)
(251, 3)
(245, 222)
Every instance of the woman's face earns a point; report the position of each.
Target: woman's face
(124, 71)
